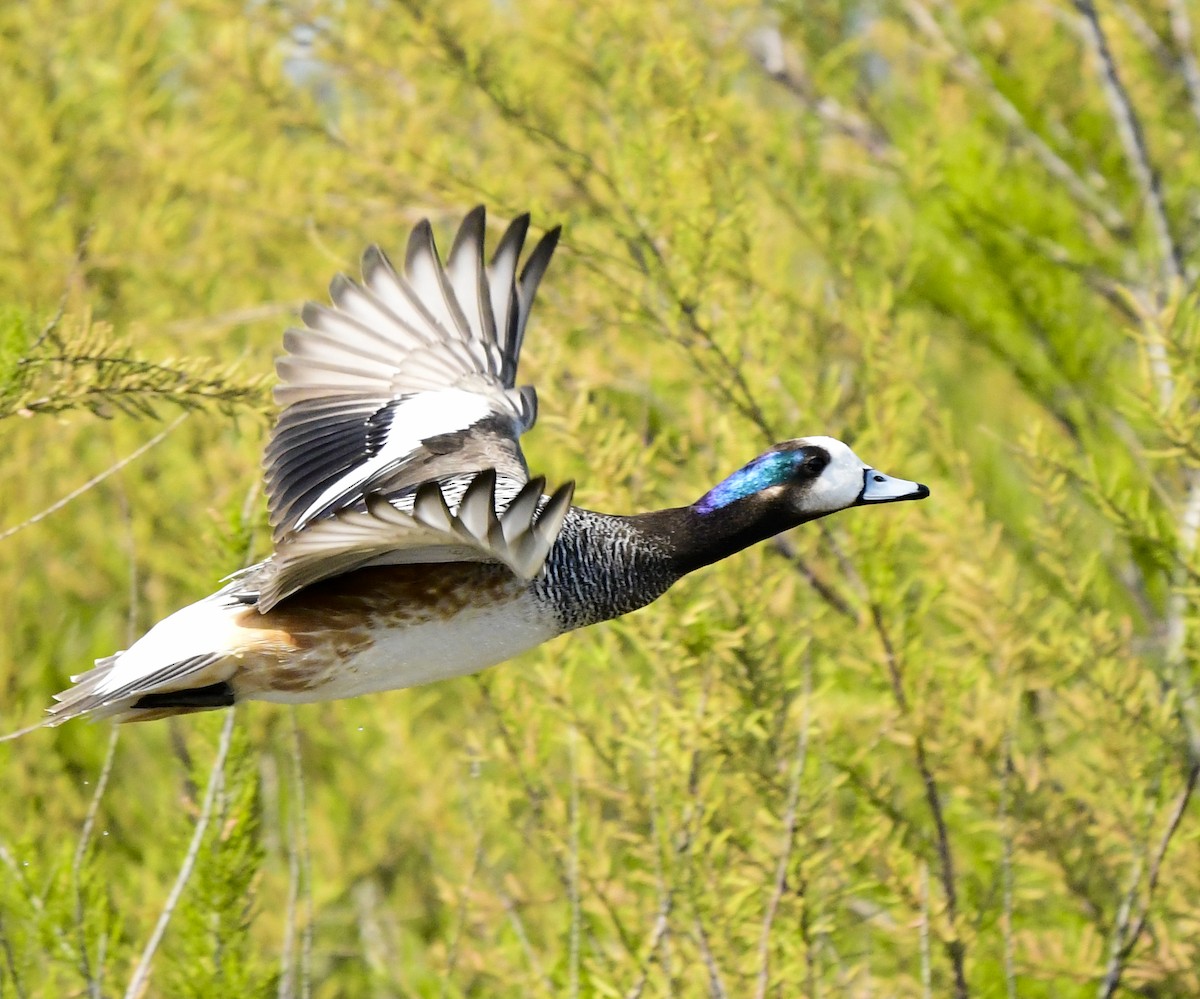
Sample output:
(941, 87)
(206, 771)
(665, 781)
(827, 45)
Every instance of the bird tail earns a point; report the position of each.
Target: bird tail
(99, 694)
(183, 664)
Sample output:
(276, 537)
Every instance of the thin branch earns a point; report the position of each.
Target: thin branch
(955, 948)
(1188, 532)
(141, 975)
(789, 835)
(286, 989)
(1126, 938)
(662, 923)
(1116, 964)
(10, 961)
(783, 65)
(306, 934)
(1140, 28)
(1006, 869)
(926, 961)
(1181, 33)
(1133, 138)
(93, 978)
(464, 905)
(782, 543)
(573, 861)
(537, 793)
(666, 896)
(964, 64)
(36, 902)
(716, 988)
(518, 925)
(95, 480)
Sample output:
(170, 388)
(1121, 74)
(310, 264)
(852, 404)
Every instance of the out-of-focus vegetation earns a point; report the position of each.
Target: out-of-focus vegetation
(942, 749)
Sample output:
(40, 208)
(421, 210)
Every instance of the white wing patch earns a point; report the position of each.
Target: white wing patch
(400, 359)
(519, 538)
(416, 419)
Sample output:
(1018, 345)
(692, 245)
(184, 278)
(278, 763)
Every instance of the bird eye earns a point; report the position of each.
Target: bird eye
(813, 463)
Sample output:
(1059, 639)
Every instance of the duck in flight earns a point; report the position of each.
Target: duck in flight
(410, 543)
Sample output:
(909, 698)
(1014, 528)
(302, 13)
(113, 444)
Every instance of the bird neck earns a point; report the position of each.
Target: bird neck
(697, 535)
(602, 566)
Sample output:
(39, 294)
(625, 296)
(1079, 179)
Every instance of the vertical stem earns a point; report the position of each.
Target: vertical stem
(573, 862)
(141, 974)
(1181, 30)
(955, 949)
(94, 979)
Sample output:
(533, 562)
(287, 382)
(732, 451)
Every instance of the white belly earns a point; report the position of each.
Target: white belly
(415, 652)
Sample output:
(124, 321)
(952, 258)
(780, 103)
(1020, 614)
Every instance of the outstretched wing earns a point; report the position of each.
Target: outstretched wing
(406, 379)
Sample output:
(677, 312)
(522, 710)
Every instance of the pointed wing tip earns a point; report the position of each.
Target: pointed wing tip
(375, 259)
(339, 285)
(420, 240)
(555, 511)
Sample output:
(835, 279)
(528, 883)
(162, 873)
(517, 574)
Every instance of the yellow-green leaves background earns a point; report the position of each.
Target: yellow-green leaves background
(939, 749)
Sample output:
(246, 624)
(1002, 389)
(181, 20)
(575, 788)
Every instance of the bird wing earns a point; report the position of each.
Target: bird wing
(404, 380)
(520, 537)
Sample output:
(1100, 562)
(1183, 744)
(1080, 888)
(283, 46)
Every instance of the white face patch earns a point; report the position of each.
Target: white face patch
(848, 480)
(839, 485)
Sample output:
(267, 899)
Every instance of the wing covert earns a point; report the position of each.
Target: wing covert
(520, 537)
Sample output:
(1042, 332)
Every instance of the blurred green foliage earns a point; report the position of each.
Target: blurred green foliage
(925, 750)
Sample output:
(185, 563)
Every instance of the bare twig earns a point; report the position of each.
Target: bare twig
(518, 925)
(662, 923)
(1181, 32)
(95, 480)
(782, 543)
(789, 836)
(1116, 964)
(955, 948)
(94, 978)
(301, 826)
(926, 962)
(666, 896)
(10, 962)
(464, 904)
(1125, 935)
(782, 64)
(36, 902)
(1177, 616)
(1133, 138)
(716, 988)
(140, 980)
(537, 793)
(573, 862)
(1140, 28)
(1006, 871)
